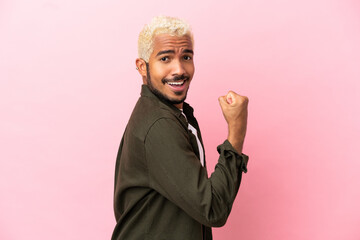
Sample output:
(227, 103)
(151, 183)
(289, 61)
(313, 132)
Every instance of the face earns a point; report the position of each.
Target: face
(171, 68)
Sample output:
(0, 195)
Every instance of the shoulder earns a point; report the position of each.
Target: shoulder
(149, 112)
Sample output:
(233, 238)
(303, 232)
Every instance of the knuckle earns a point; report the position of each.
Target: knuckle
(244, 98)
(232, 93)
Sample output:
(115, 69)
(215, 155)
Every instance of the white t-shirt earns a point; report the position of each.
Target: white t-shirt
(194, 131)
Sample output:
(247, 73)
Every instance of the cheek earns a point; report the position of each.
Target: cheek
(190, 69)
(158, 72)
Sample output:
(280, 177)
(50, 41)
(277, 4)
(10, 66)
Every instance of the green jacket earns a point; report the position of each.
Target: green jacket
(162, 192)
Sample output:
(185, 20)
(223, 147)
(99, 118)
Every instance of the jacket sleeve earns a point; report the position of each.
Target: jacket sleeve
(175, 172)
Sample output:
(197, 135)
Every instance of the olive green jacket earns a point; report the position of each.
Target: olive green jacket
(162, 192)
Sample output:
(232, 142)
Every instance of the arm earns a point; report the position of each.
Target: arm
(176, 173)
(234, 108)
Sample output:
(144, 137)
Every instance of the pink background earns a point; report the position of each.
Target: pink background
(68, 85)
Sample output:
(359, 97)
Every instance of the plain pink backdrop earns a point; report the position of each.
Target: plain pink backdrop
(68, 85)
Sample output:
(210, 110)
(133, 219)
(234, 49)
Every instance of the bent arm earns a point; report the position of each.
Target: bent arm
(176, 173)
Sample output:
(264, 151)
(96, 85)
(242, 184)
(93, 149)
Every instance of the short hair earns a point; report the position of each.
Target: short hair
(161, 25)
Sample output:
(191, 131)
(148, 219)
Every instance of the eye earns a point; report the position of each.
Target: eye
(187, 57)
(164, 59)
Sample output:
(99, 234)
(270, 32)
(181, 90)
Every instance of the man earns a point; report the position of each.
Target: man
(162, 190)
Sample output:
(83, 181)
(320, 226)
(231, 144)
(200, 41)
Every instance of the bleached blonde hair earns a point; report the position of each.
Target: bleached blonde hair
(161, 25)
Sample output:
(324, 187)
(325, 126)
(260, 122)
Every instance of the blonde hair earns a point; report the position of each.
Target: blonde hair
(161, 25)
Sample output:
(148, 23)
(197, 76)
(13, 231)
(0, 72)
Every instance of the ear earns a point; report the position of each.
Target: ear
(141, 67)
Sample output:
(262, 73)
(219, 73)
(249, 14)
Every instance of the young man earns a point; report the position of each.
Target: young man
(162, 190)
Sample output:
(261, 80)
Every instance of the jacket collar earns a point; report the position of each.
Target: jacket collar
(187, 109)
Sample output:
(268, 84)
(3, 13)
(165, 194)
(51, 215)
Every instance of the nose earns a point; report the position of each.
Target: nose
(178, 68)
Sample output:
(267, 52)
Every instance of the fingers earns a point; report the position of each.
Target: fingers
(230, 97)
(233, 99)
(222, 101)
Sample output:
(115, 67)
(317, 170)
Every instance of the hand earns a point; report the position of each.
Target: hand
(234, 108)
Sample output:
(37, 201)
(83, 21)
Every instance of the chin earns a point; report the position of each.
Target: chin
(177, 100)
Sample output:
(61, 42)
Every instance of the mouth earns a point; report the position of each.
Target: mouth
(177, 86)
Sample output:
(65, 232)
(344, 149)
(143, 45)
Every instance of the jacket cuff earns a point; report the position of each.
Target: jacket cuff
(226, 146)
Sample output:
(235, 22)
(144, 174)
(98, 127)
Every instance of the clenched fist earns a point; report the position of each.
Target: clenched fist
(234, 108)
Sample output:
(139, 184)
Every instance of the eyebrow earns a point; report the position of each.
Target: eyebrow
(165, 52)
(172, 51)
(188, 51)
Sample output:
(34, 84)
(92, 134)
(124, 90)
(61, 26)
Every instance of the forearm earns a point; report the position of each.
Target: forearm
(225, 183)
(236, 136)
(234, 108)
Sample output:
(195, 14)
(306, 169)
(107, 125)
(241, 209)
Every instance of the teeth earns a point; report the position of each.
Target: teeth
(176, 83)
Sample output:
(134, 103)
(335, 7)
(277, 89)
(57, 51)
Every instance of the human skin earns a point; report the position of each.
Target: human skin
(234, 108)
(171, 58)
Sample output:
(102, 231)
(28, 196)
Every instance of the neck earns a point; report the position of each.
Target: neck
(179, 106)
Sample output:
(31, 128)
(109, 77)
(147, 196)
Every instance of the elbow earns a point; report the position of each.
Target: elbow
(218, 223)
(216, 220)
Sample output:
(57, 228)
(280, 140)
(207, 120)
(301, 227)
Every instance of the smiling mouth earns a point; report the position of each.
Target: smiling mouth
(176, 84)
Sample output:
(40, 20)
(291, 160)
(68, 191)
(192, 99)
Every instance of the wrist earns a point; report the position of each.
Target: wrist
(236, 142)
